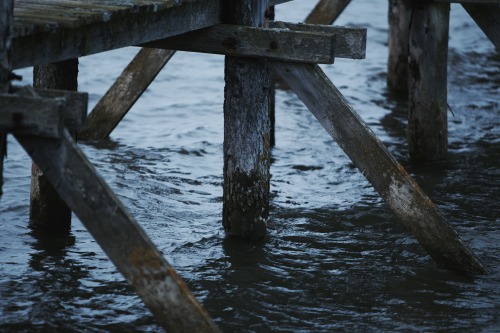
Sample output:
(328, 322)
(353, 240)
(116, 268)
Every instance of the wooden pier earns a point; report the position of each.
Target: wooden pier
(54, 32)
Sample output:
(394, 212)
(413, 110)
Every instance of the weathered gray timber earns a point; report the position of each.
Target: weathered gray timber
(246, 132)
(124, 92)
(399, 25)
(243, 41)
(31, 115)
(74, 104)
(487, 17)
(47, 209)
(58, 32)
(6, 22)
(121, 238)
(326, 11)
(349, 42)
(40, 112)
(427, 72)
(415, 210)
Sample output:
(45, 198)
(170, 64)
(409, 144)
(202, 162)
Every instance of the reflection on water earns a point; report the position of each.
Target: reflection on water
(335, 258)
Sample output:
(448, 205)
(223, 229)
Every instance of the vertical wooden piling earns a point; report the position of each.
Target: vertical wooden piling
(399, 25)
(6, 22)
(246, 132)
(427, 72)
(47, 209)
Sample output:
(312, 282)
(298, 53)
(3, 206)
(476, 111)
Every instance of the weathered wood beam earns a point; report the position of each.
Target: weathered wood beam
(487, 17)
(73, 103)
(427, 84)
(399, 26)
(326, 11)
(31, 115)
(124, 92)
(64, 43)
(122, 239)
(349, 42)
(244, 41)
(246, 132)
(414, 209)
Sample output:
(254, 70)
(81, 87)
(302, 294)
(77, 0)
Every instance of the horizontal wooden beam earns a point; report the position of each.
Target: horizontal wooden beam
(58, 41)
(41, 112)
(119, 235)
(414, 209)
(31, 115)
(349, 42)
(244, 41)
(74, 104)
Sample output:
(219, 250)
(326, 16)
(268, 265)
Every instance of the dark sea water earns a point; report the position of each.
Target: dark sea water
(335, 258)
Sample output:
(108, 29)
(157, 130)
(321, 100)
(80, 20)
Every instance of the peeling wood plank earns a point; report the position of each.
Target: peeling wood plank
(414, 209)
(241, 41)
(122, 239)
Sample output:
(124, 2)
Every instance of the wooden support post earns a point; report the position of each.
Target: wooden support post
(6, 23)
(246, 132)
(427, 72)
(404, 197)
(271, 16)
(399, 25)
(47, 209)
(119, 235)
(326, 11)
(487, 16)
(123, 94)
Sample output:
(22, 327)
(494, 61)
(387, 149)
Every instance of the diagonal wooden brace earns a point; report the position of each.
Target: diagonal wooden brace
(415, 210)
(118, 234)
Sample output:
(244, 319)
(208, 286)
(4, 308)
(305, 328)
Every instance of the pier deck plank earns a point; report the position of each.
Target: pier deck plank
(47, 31)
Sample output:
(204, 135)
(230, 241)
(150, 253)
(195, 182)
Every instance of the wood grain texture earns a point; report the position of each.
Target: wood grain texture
(241, 41)
(124, 92)
(246, 133)
(487, 17)
(40, 40)
(349, 42)
(326, 11)
(31, 115)
(414, 209)
(427, 84)
(122, 239)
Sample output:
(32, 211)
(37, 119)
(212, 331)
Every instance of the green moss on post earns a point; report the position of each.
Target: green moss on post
(246, 132)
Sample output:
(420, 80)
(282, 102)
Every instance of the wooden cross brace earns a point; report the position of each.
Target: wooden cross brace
(39, 120)
(402, 194)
